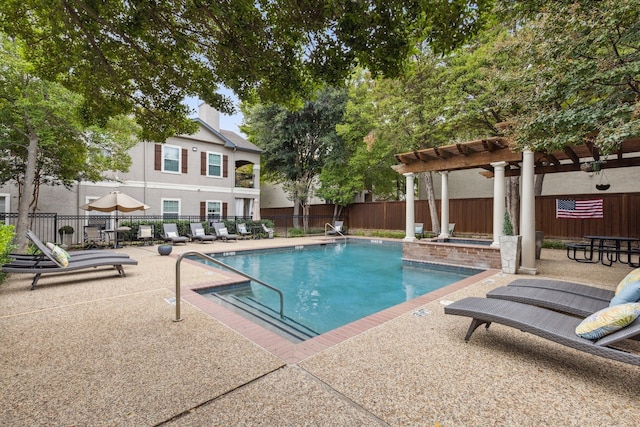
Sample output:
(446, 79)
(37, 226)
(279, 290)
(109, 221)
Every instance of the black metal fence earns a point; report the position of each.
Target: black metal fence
(70, 229)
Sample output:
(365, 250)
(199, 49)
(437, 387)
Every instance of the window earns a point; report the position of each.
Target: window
(214, 210)
(170, 158)
(214, 164)
(4, 206)
(170, 208)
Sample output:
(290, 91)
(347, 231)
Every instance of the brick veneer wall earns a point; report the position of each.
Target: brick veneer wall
(455, 254)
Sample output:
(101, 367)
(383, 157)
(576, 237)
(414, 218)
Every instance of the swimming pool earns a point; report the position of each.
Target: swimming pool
(327, 286)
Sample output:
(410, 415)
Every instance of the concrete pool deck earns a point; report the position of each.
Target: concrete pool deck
(91, 348)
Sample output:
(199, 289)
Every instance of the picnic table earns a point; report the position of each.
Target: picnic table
(609, 249)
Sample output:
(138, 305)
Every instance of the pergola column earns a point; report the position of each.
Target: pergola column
(499, 193)
(528, 215)
(410, 216)
(444, 206)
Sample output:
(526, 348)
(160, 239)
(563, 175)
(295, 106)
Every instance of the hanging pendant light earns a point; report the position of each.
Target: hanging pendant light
(603, 182)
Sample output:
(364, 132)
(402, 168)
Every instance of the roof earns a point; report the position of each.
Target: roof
(231, 139)
(240, 142)
(482, 152)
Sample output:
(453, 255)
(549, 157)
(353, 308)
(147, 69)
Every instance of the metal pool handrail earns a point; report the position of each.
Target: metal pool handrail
(334, 229)
(222, 264)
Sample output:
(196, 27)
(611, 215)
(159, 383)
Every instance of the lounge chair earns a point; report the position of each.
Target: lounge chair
(242, 231)
(568, 297)
(548, 324)
(561, 285)
(171, 234)
(338, 228)
(419, 229)
(565, 302)
(267, 230)
(145, 233)
(452, 226)
(222, 233)
(49, 264)
(93, 236)
(198, 233)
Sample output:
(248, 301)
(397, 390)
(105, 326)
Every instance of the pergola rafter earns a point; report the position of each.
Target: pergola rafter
(482, 152)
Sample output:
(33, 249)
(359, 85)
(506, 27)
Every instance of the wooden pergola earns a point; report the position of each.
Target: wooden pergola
(481, 153)
(499, 158)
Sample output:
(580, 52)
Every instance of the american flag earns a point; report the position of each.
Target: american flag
(579, 208)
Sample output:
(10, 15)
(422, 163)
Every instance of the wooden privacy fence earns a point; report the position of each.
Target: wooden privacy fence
(475, 216)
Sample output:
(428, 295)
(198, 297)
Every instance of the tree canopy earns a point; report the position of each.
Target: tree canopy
(146, 57)
(42, 138)
(298, 143)
(575, 73)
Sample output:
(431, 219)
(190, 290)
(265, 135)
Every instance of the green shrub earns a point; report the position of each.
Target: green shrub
(388, 234)
(295, 232)
(7, 234)
(553, 244)
(507, 228)
(65, 229)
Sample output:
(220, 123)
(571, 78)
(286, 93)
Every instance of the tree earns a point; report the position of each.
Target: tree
(578, 67)
(42, 140)
(297, 143)
(146, 57)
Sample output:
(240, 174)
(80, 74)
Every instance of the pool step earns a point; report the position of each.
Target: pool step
(250, 308)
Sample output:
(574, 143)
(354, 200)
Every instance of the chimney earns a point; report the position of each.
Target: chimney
(209, 115)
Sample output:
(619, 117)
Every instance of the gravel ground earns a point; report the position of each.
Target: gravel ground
(95, 349)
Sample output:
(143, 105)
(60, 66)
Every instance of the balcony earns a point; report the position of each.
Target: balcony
(244, 180)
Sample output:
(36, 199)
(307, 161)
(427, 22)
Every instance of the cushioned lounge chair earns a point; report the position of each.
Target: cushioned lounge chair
(198, 233)
(242, 231)
(41, 257)
(93, 236)
(171, 234)
(145, 234)
(35, 259)
(338, 228)
(222, 233)
(548, 324)
(267, 230)
(50, 265)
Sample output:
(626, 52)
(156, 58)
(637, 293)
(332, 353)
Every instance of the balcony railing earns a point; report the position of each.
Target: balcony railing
(244, 180)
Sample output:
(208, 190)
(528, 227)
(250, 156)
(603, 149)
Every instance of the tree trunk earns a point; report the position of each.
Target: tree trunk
(305, 216)
(22, 224)
(296, 212)
(337, 210)
(431, 198)
(513, 202)
(538, 184)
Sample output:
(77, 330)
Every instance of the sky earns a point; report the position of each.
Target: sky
(227, 122)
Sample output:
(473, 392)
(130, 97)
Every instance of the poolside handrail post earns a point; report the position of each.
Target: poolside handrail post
(326, 229)
(222, 264)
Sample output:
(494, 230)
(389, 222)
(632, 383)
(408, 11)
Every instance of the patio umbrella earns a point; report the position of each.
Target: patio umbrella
(115, 201)
(256, 210)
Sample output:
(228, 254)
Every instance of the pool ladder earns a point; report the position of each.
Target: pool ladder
(326, 228)
(221, 264)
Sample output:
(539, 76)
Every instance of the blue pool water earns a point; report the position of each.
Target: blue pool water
(327, 286)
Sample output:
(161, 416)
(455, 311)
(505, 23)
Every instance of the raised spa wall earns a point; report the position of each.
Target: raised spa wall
(452, 253)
